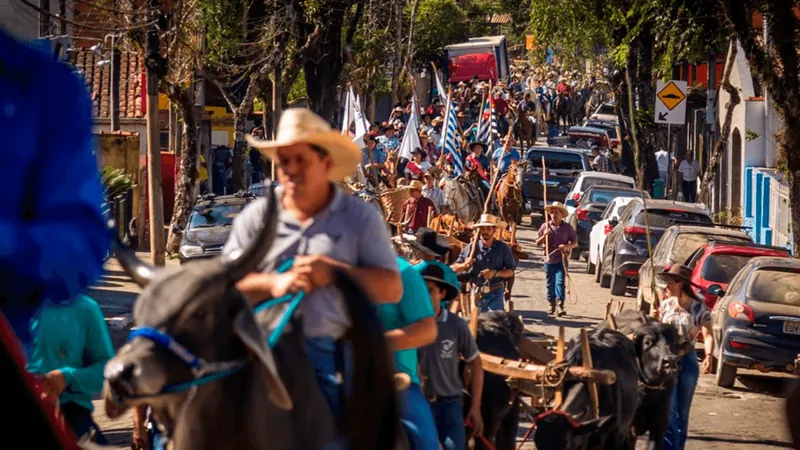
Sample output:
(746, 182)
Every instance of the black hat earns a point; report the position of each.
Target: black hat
(434, 273)
(419, 150)
(386, 128)
(483, 146)
(430, 242)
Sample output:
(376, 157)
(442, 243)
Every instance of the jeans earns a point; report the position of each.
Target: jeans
(417, 419)
(555, 283)
(492, 301)
(80, 422)
(682, 396)
(322, 354)
(663, 176)
(690, 191)
(448, 414)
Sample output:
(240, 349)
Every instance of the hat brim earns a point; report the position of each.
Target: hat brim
(451, 291)
(499, 224)
(666, 276)
(549, 209)
(428, 251)
(345, 153)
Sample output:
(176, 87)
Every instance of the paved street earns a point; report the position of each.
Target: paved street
(749, 416)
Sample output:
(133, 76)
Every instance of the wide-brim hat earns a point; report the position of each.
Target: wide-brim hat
(472, 144)
(386, 128)
(435, 274)
(677, 272)
(489, 220)
(419, 150)
(423, 134)
(302, 126)
(430, 242)
(462, 115)
(556, 205)
(437, 121)
(415, 184)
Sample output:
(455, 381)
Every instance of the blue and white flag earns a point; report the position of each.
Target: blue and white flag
(450, 143)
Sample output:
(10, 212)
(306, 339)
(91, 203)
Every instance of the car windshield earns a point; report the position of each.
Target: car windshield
(259, 190)
(213, 216)
(721, 268)
(585, 141)
(592, 181)
(606, 109)
(555, 161)
(605, 195)
(687, 243)
(665, 218)
(775, 286)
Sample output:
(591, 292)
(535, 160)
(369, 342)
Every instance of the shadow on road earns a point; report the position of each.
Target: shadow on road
(541, 317)
(743, 440)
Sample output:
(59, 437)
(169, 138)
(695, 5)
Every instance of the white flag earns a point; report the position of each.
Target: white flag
(362, 126)
(411, 136)
(348, 116)
(440, 88)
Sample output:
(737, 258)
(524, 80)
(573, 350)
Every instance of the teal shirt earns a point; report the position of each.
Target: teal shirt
(414, 306)
(73, 338)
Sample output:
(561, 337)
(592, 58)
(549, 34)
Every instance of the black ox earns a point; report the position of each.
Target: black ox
(656, 347)
(571, 427)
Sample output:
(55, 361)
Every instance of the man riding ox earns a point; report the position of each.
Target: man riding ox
(489, 266)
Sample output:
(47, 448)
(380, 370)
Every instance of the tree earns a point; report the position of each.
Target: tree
(777, 62)
(438, 23)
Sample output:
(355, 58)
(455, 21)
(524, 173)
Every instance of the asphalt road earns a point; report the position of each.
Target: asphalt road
(749, 416)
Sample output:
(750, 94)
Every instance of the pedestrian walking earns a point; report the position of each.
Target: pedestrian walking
(599, 160)
(690, 169)
(690, 316)
(490, 266)
(411, 324)
(662, 159)
(560, 238)
(440, 365)
(313, 214)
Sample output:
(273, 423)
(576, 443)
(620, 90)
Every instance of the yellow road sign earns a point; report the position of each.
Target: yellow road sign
(529, 43)
(671, 96)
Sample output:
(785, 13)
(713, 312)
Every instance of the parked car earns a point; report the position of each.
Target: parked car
(718, 261)
(586, 137)
(756, 322)
(260, 189)
(588, 179)
(210, 225)
(591, 206)
(676, 246)
(601, 229)
(563, 166)
(611, 128)
(626, 246)
(606, 112)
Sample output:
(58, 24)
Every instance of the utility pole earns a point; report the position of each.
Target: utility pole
(277, 105)
(44, 18)
(156, 68)
(116, 61)
(62, 18)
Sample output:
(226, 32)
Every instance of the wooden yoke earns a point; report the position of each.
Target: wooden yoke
(588, 366)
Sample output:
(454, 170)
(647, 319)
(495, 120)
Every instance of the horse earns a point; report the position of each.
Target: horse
(463, 198)
(526, 132)
(509, 194)
(562, 111)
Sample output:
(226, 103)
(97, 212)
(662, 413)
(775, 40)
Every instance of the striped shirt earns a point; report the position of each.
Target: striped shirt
(435, 195)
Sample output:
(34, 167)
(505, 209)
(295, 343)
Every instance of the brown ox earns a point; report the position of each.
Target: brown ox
(202, 363)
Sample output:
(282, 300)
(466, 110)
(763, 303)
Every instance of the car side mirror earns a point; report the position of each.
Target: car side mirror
(570, 202)
(716, 290)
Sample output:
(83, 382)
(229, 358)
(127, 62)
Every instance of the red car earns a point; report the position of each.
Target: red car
(716, 262)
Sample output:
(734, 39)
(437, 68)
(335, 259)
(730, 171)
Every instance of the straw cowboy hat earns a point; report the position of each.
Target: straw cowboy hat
(415, 185)
(302, 126)
(489, 220)
(678, 272)
(437, 121)
(435, 274)
(462, 115)
(556, 205)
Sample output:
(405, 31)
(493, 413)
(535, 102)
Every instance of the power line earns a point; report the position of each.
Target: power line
(112, 10)
(88, 27)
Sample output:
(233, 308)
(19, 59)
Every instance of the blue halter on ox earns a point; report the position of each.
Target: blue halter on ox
(206, 372)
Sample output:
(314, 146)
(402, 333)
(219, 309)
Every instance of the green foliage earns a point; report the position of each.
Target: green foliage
(438, 23)
(750, 135)
(115, 182)
(298, 89)
(223, 22)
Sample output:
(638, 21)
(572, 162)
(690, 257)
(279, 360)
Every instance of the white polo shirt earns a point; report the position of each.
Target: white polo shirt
(689, 170)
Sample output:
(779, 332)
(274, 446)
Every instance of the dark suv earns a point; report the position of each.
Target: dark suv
(210, 225)
(626, 246)
(589, 209)
(563, 165)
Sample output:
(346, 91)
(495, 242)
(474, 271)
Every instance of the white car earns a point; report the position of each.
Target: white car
(597, 237)
(606, 111)
(587, 179)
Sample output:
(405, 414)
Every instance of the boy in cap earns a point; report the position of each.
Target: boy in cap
(439, 365)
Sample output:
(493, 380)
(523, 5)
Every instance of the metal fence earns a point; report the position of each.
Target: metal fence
(120, 210)
(780, 215)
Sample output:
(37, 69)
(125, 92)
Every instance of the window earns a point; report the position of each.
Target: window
(606, 109)
(604, 195)
(722, 268)
(775, 286)
(665, 218)
(607, 212)
(594, 181)
(687, 243)
(692, 261)
(565, 163)
(213, 216)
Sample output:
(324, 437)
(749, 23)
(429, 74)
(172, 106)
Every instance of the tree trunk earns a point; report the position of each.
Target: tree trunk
(722, 143)
(397, 63)
(792, 137)
(187, 179)
(239, 177)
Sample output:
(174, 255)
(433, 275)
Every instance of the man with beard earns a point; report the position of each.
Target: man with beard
(490, 265)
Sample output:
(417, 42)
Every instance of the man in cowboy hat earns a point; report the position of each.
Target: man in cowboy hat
(436, 133)
(463, 120)
(439, 365)
(504, 155)
(417, 209)
(433, 248)
(491, 264)
(431, 151)
(418, 166)
(433, 192)
(560, 238)
(373, 158)
(388, 141)
(313, 230)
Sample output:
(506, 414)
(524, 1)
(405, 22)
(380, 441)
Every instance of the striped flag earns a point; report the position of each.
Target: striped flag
(450, 142)
(484, 128)
(494, 122)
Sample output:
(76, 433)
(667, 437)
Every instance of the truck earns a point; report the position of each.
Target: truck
(485, 57)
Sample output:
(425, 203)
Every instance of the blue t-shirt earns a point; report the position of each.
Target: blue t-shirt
(414, 306)
(504, 159)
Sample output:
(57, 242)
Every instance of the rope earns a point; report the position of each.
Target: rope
(485, 441)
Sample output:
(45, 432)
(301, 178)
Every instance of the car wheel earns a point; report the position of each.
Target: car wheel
(726, 375)
(598, 270)
(575, 254)
(589, 266)
(605, 279)
(618, 284)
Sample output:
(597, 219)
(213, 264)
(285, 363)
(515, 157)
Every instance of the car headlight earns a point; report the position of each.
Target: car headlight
(190, 251)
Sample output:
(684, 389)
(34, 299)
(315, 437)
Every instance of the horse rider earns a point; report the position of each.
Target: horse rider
(440, 364)
(417, 209)
(418, 166)
(502, 159)
(560, 238)
(411, 324)
(478, 162)
(490, 266)
(315, 231)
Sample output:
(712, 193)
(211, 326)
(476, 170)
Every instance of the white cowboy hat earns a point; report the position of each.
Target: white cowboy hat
(489, 220)
(556, 205)
(415, 184)
(302, 126)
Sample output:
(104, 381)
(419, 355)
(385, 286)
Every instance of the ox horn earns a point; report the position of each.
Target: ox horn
(247, 260)
(139, 271)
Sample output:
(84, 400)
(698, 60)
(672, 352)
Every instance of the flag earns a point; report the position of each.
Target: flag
(484, 126)
(411, 136)
(450, 144)
(440, 88)
(362, 126)
(494, 121)
(347, 116)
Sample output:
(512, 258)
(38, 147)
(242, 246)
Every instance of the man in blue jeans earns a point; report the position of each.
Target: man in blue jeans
(559, 238)
(439, 365)
(410, 325)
